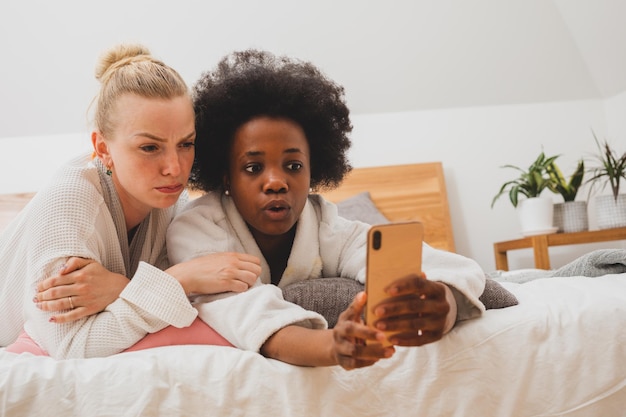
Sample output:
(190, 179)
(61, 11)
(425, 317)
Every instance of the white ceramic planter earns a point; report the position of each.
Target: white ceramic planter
(536, 216)
(610, 212)
(571, 216)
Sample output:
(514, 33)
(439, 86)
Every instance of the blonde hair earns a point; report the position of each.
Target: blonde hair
(130, 68)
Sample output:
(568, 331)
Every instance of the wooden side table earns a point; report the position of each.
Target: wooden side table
(541, 243)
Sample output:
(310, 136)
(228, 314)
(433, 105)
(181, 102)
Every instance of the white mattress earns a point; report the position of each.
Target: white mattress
(560, 352)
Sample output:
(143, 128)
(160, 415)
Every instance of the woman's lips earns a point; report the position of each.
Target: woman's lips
(277, 210)
(171, 189)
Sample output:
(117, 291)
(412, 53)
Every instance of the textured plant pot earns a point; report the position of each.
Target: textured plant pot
(536, 215)
(611, 213)
(571, 216)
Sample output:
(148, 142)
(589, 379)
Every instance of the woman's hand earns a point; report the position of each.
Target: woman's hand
(350, 335)
(217, 272)
(344, 345)
(82, 288)
(418, 311)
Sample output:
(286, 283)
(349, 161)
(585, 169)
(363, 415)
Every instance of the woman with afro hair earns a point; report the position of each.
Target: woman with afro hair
(270, 130)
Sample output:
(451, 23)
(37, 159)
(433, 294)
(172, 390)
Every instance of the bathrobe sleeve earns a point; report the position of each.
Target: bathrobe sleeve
(245, 319)
(69, 218)
(343, 247)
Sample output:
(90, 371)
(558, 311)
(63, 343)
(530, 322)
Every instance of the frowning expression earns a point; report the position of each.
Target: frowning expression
(150, 151)
(269, 174)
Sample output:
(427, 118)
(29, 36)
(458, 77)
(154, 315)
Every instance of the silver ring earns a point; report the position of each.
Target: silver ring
(71, 303)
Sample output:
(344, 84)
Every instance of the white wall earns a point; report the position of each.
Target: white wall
(28, 161)
(392, 55)
(615, 109)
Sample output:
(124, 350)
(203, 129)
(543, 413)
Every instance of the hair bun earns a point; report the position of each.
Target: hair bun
(118, 56)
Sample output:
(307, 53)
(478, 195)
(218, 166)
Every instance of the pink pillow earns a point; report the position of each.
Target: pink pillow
(198, 333)
(24, 344)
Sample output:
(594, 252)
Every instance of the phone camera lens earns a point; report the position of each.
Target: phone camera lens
(376, 241)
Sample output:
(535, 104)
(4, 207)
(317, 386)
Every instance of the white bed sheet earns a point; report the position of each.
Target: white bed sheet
(560, 352)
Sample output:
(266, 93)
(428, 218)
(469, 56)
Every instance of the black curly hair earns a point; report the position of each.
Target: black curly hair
(252, 83)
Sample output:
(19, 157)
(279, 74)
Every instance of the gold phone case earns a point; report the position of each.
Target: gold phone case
(394, 251)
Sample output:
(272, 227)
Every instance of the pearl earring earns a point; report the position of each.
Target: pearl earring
(226, 192)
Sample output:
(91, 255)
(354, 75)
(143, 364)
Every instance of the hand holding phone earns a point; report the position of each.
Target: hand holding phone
(394, 251)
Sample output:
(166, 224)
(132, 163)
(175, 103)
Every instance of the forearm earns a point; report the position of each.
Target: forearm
(85, 283)
(150, 302)
(98, 335)
(301, 346)
(183, 273)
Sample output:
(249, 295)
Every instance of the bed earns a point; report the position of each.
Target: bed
(561, 351)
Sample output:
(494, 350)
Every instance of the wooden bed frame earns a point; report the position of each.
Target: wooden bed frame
(405, 192)
(400, 192)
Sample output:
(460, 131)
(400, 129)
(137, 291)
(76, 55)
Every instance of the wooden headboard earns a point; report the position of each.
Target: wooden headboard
(401, 192)
(405, 192)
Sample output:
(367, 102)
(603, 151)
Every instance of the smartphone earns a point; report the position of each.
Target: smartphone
(394, 251)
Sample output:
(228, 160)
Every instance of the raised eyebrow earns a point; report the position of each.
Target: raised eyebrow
(293, 150)
(288, 150)
(190, 136)
(158, 139)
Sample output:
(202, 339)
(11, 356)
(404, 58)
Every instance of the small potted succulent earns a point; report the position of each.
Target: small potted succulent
(536, 212)
(570, 215)
(610, 169)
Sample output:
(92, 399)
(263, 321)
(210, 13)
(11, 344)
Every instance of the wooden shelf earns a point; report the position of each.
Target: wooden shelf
(541, 243)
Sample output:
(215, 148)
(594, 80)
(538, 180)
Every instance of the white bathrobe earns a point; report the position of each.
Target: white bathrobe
(325, 245)
(78, 214)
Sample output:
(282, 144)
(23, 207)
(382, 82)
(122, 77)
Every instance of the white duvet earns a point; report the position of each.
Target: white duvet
(560, 352)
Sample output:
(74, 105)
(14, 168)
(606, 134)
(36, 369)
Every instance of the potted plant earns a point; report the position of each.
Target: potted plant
(610, 169)
(570, 215)
(535, 212)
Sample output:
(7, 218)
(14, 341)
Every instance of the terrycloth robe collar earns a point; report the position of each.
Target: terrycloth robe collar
(134, 252)
(304, 260)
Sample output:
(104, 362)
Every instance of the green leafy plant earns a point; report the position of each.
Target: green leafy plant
(611, 169)
(559, 185)
(530, 183)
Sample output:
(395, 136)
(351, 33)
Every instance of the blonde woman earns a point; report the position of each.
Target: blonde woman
(97, 230)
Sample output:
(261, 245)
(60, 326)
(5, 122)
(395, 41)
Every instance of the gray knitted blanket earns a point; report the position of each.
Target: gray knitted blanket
(593, 264)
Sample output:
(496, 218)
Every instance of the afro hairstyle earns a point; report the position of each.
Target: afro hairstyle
(252, 83)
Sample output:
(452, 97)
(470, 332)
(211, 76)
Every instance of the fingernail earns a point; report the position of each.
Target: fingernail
(381, 326)
(389, 351)
(62, 268)
(35, 300)
(52, 320)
